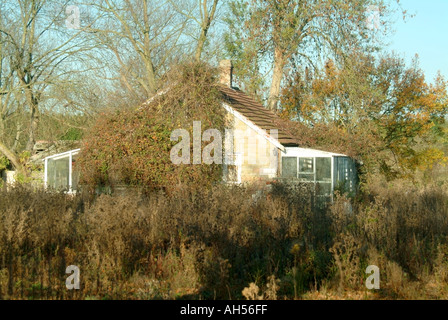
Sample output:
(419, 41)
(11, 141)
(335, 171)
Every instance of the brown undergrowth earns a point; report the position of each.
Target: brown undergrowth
(224, 243)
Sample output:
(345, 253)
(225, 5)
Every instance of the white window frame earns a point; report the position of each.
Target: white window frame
(311, 153)
(58, 156)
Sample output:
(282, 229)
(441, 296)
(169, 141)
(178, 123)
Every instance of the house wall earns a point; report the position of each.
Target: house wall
(258, 157)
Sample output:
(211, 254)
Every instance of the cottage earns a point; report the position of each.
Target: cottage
(266, 151)
(256, 148)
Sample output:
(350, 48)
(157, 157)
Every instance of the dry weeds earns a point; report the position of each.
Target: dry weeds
(220, 243)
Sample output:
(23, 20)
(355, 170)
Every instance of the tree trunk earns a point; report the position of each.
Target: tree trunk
(201, 43)
(17, 137)
(277, 75)
(151, 77)
(33, 103)
(12, 157)
(146, 55)
(2, 127)
(206, 22)
(34, 123)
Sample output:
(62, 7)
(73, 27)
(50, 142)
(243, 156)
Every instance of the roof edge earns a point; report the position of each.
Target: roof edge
(253, 126)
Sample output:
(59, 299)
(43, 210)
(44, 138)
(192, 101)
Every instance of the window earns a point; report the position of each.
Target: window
(306, 165)
(289, 167)
(323, 176)
(327, 173)
(323, 169)
(306, 169)
(345, 175)
(75, 173)
(310, 169)
(60, 173)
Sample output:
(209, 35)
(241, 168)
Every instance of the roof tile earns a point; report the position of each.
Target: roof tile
(255, 112)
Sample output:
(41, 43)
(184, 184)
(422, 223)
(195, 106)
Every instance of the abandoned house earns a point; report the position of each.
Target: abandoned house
(257, 150)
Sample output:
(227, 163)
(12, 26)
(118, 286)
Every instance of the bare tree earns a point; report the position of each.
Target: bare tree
(142, 36)
(207, 16)
(37, 52)
(202, 13)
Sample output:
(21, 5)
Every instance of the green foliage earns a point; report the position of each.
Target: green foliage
(245, 54)
(4, 163)
(72, 134)
(24, 157)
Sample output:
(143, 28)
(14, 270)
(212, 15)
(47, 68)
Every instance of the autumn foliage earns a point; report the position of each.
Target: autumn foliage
(131, 146)
(378, 110)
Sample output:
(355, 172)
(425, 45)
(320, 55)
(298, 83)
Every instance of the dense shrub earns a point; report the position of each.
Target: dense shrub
(132, 146)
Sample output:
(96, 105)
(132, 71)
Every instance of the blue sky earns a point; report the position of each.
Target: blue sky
(426, 34)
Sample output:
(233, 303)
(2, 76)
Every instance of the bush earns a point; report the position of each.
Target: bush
(132, 146)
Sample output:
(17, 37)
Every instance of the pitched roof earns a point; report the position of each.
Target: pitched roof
(255, 112)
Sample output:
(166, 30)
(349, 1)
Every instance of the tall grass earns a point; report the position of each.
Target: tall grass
(223, 242)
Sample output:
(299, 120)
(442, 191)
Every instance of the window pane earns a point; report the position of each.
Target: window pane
(58, 173)
(289, 167)
(51, 169)
(75, 173)
(306, 177)
(75, 180)
(345, 177)
(306, 165)
(323, 169)
(323, 189)
(62, 173)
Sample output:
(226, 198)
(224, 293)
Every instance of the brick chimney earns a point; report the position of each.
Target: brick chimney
(226, 69)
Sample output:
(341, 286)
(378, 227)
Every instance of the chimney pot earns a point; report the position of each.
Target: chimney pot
(226, 69)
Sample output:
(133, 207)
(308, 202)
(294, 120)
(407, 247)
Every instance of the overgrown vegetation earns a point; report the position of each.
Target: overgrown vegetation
(132, 147)
(224, 242)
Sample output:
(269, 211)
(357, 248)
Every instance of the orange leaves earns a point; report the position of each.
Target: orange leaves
(378, 102)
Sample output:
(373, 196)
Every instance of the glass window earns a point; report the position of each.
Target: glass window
(323, 189)
(51, 171)
(306, 177)
(345, 178)
(306, 165)
(58, 173)
(289, 167)
(323, 169)
(75, 173)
